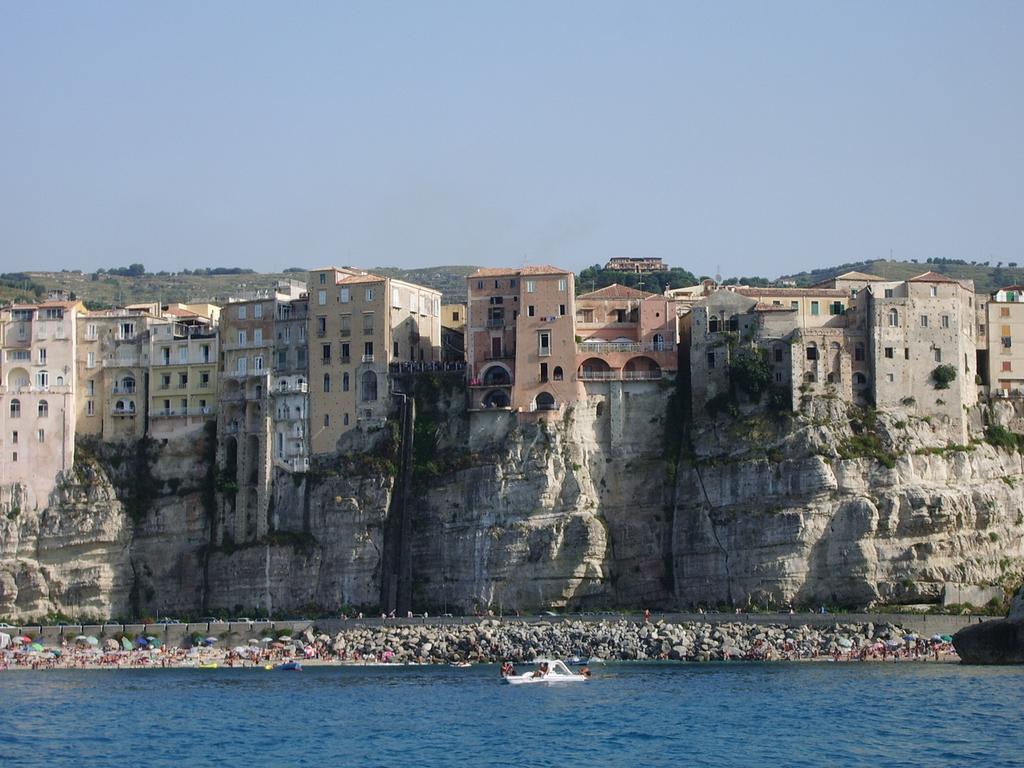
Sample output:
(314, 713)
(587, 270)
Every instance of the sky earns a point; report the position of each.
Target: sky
(744, 138)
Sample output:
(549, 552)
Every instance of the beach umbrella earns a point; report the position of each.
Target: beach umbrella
(910, 638)
(947, 638)
(210, 640)
(24, 639)
(253, 641)
(92, 640)
(126, 644)
(284, 638)
(140, 641)
(936, 638)
(154, 643)
(36, 647)
(81, 638)
(267, 640)
(894, 643)
(111, 644)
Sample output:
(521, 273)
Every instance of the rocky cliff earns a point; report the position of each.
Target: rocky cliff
(617, 502)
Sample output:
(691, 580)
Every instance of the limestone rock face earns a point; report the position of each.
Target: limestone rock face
(582, 512)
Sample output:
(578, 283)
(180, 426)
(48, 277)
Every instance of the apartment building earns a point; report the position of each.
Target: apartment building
(290, 385)
(520, 339)
(359, 326)
(1000, 338)
(183, 382)
(636, 264)
(624, 333)
(453, 333)
(248, 423)
(37, 396)
(113, 372)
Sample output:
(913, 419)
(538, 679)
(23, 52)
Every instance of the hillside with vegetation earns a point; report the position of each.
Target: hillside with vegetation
(132, 284)
(987, 276)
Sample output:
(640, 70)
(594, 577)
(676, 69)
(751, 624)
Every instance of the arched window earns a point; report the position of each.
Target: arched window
(15, 409)
(812, 352)
(43, 410)
(712, 324)
(860, 379)
(344, 382)
(327, 382)
(659, 342)
(43, 379)
(545, 401)
(894, 318)
(558, 375)
(368, 382)
(734, 323)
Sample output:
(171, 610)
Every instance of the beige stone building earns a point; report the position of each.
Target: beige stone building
(453, 333)
(359, 326)
(1000, 339)
(38, 413)
(520, 339)
(183, 374)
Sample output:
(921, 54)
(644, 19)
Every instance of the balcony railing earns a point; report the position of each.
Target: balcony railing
(603, 347)
(345, 332)
(118, 362)
(620, 375)
(499, 323)
(506, 354)
(123, 412)
(368, 358)
(180, 413)
(291, 388)
(120, 390)
(424, 367)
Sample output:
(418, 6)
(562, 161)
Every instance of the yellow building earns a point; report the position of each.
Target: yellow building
(360, 325)
(183, 381)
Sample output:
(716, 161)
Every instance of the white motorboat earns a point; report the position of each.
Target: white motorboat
(547, 671)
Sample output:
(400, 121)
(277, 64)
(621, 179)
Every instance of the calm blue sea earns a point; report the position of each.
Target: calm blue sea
(628, 715)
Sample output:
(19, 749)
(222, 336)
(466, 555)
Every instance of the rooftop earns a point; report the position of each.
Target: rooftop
(616, 291)
(538, 269)
(793, 292)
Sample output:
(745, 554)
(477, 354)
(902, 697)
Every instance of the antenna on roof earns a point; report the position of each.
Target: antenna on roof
(718, 274)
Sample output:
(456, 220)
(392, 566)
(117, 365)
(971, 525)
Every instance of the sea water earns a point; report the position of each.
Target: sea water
(729, 714)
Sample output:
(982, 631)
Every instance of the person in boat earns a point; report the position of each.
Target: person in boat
(542, 670)
(584, 671)
(507, 670)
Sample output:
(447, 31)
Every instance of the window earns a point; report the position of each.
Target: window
(1004, 311)
(242, 312)
(890, 352)
(480, 285)
(90, 359)
(257, 337)
(282, 358)
(321, 297)
(321, 325)
(327, 419)
(812, 352)
(14, 437)
(396, 297)
(257, 363)
(183, 353)
(344, 295)
(894, 318)
(858, 353)
(561, 310)
(41, 435)
(529, 310)
(14, 456)
(711, 359)
(243, 338)
(43, 409)
(15, 409)
(165, 380)
(543, 372)
(888, 293)
(906, 353)
(344, 351)
(712, 324)
(345, 419)
(327, 382)
(1007, 365)
(455, 317)
(890, 378)
(836, 308)
(368, 322)
(323, 278)
(396, 353)
(531, 286)
(368, 383)
(325, 353)
(368, 352)
(933, 291)
(563, 285)
(558, 374)
(944, 321)
(90, 387)
(43, 379)
(937, 355)
(345, 382)
(42, 355)
(860, 379)
(1007, 342)
(90, 331)
(734, 323)
(257, 311)
(204, 379)
(544, 343)
(242, 364)
(794, 305)
(778, 354)
(369, 294)
(924, 321)
(814, 308)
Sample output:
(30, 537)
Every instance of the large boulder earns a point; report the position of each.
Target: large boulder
(994, 642)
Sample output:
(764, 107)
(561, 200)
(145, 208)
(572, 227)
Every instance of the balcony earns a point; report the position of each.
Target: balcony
(121, 390)
(496, 323)
(123, 412)
(604, 347)
(368, 331)
(291, 388)
(346, 332)
(181, 413)
(368, 358)
(293, 464)
(425, 367)
(506, 354)
(620, 375)
(122, 361)
(253, 344)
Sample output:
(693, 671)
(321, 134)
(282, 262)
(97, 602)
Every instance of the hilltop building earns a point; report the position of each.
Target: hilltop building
(635, 264)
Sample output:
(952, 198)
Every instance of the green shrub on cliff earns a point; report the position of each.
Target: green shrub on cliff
(1001, 437)
(943, 375)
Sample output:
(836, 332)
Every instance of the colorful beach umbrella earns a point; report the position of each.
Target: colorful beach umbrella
(126, 644)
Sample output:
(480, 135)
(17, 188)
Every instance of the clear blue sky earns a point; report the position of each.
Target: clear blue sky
(763, 137)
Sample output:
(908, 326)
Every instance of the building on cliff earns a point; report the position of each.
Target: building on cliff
(857, 337)
(636, 264)
(183, 373)
(39, 379)
(453, 333)
(362, 327)
(263, 419)
(1000, 320)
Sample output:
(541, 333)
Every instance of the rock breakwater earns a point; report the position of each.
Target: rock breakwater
(493, 640)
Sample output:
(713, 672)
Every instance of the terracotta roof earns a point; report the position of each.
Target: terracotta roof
(177, 312)
(514, 271)
(354, 279)
(859, 276)
(616, 291)
(792, 292)
(932, 277)
(1008, 288)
